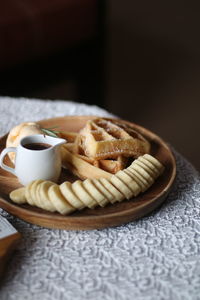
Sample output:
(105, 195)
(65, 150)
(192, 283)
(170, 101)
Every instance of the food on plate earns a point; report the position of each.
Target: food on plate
(105, 138)
(137, 180)
(19, 195)
(153, 160)
(18, 132)
(25, 129)
(69, 197)
(106, 144)
(110, 157)
(124, 188)
(142, 172)
(59, 201)
(80, 167)
(135, 188)
(83, 194)
(103, 190)
(32, 191)
(111, 165)
(67, 192)
(95, 193)
(41, 197)
(102, 147)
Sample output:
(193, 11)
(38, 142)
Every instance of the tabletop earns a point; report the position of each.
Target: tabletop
(156, 257)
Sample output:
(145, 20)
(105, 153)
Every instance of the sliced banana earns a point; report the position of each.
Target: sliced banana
(28, 193)
(152, 173)
(130, 182)
(142, 172)
(121, 186)
(18, 196)
(117, 195)
(103, 190)
(83, 195)
(141, 178)
(68, 193)
(33, 189)
(37, 200)
(154, 161)
(139, 182)
(42, 197)
(94, 192)
(149, 164)
(59, 201)
(68, 197)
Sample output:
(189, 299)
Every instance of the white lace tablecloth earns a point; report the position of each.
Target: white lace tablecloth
(157, 257)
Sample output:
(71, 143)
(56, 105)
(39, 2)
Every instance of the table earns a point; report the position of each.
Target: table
(157, 257)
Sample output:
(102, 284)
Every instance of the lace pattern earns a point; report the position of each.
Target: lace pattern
(156, 257)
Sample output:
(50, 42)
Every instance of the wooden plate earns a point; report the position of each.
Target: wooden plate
(111, 215)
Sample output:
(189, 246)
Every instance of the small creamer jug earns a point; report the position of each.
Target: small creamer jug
(36, 157)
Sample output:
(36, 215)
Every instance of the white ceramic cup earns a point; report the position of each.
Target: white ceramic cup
(35, 164)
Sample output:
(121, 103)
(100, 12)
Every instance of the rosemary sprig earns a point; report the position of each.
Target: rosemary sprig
(49, 131)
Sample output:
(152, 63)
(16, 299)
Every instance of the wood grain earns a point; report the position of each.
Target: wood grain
(109, 216)
(7, 246)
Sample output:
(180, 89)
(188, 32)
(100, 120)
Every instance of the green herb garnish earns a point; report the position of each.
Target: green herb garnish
(50, 131)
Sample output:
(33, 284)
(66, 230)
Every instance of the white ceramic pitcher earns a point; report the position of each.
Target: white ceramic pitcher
(33, 164)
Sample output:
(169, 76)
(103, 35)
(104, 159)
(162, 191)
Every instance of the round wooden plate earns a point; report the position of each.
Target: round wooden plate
(111, 215)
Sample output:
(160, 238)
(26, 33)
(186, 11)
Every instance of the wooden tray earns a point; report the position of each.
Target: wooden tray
(111, 215)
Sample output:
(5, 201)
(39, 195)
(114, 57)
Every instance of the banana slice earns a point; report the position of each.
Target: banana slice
(59, 201)
(154, 161)
(142, 172)
(103, 190)
(146, 168)
(155, 169)
(82, 194)
(32, 190)
(94, 192)
(139, 182)
(42, 198)
(66, 190)
(36, 200)
(141, 178)
(117, 195)
(18, 196)
(130, 182)
(120, 185)
(28, 194)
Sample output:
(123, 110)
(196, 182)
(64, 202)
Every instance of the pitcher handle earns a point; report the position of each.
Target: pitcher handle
(2, 155)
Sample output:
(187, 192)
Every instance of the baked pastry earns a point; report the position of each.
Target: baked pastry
(105, 138)
(18, 132)
(106, 144)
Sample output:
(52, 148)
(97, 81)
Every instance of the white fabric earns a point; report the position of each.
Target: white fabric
(157, 257)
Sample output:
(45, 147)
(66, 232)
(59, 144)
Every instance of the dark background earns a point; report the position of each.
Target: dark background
(137, 59)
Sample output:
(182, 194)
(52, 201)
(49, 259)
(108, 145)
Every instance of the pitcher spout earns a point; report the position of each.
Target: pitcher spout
(60, 141)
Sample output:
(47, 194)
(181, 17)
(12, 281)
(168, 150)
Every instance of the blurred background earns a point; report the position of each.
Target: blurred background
(138, 59)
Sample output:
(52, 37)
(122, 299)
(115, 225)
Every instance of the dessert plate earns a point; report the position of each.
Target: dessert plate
(109, 216)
